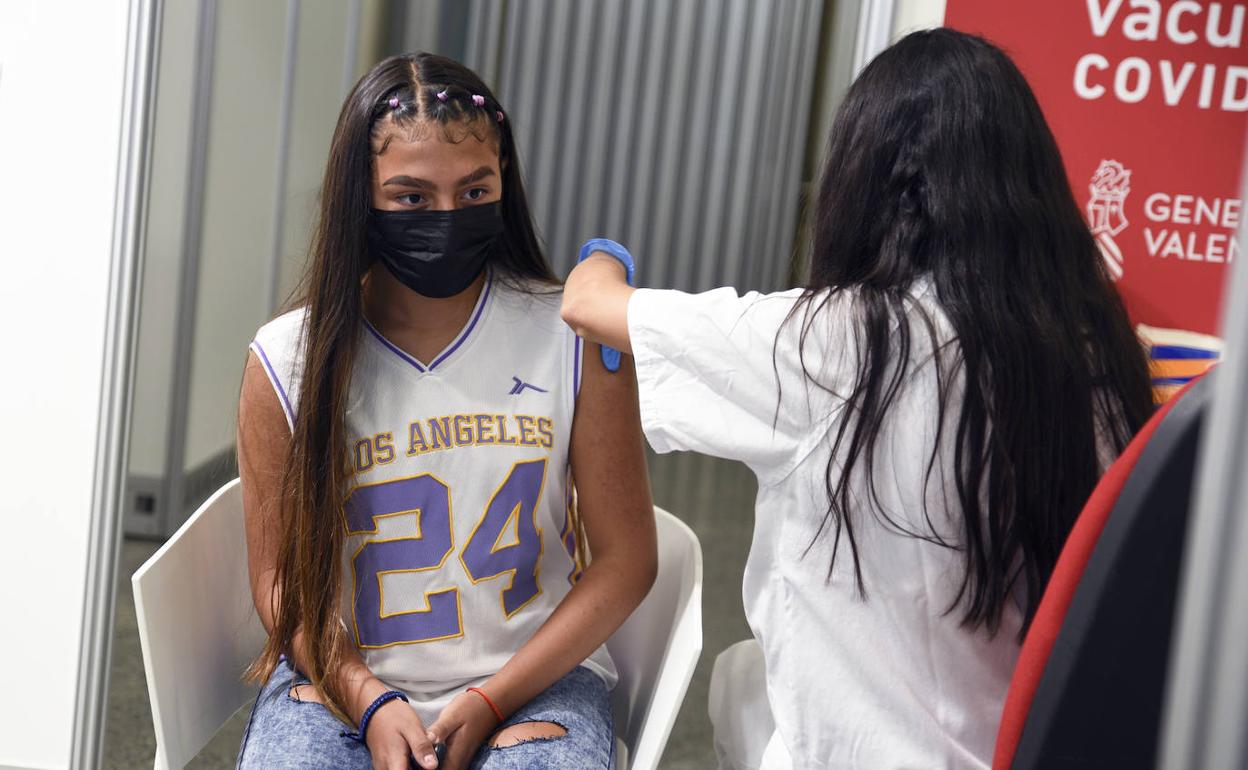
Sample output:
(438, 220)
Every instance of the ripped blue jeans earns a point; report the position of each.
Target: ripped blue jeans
(285, 733)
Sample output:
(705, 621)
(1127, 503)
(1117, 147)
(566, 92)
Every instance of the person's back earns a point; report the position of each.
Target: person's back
(926, 416)
(893, 681)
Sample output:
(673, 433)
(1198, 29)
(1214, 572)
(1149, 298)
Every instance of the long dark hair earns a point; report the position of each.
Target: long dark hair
(307, 580)
(940, 164)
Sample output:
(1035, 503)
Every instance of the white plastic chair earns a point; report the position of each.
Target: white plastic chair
(657, 648)
(199, 631)
(198, 627)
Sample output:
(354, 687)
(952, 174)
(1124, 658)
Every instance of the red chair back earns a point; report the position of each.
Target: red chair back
(1087, 690)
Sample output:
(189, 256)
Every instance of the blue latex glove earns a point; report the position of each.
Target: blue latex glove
(610, 356)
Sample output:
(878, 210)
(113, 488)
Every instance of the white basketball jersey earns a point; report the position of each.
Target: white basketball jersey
(459, 541)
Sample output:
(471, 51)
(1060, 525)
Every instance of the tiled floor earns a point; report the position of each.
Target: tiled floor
(714, 497)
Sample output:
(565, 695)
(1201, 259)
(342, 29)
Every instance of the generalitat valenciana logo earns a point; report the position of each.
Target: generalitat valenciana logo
(1107, 217)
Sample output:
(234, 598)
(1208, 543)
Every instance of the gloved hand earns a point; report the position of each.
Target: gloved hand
(610, 356)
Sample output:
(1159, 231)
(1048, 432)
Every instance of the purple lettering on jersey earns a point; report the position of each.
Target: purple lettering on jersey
(416, 440)
(546, 427)
(485, 428)
(440, 432)
(527, 425)
(484, 558)
(363, 455)
(383, 448)
(428, 501)
(463, 430)
(503, 438)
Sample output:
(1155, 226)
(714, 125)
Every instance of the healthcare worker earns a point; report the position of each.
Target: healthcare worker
(926, 415)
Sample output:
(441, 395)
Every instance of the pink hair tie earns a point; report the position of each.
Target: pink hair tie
(499, 116)
(478, 100)
(394, 104)
(441, 96)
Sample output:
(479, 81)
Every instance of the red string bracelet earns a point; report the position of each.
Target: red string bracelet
(489, 702)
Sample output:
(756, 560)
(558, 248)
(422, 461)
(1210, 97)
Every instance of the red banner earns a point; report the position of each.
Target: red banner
(1149, 104)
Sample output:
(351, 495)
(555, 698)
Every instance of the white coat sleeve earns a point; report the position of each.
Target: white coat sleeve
(707, 379)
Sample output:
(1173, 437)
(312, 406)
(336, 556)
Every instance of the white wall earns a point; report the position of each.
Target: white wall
(61, 88)
(237, 228)
(909, 15)
(157, 307)
(318, 96)
(239, 188)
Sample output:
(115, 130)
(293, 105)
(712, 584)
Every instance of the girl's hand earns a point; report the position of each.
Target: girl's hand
(463, 725)
(395, 735)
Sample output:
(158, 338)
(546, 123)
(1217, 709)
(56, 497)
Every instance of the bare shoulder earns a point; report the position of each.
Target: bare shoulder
(263, 432)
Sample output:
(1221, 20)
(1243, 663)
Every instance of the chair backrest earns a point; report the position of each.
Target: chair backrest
(199, 631)
(1087, 691)
(198, 627)
(657, 648)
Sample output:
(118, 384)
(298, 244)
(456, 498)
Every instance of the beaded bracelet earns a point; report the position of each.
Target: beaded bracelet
(381, 700)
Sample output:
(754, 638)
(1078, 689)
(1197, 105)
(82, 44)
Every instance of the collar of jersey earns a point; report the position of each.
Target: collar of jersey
(455, 344)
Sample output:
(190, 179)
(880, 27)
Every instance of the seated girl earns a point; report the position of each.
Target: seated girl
(408, 437)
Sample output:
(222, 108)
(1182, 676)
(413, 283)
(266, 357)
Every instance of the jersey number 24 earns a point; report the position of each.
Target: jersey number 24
(427, 500)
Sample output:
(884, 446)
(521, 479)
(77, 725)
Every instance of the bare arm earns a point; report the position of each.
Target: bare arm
(263, 446)
(613, 494)
(595, 301)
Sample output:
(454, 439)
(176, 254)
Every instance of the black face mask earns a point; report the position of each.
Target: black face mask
(435, 253)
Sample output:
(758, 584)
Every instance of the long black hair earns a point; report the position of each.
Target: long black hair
(399, 96)
(940, 164)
